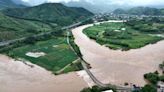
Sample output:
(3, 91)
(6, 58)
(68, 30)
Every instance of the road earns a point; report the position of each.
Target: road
(23, 38)
(94, 79)
(85, 65)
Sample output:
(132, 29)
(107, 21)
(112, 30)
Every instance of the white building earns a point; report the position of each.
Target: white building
(108, 91)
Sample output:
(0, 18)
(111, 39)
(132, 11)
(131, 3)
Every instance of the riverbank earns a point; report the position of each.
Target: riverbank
(116, 66)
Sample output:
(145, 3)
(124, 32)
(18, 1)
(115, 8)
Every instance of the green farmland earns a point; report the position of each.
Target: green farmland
(120, 36)
(58, 55)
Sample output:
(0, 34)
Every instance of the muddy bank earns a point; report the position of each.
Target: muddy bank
(118, 67)
(15, 76)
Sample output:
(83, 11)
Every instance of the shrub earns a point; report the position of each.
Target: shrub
(152, 77)
(148, 88)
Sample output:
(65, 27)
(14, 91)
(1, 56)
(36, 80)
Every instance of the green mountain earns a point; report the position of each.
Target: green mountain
(13, 28)
(50, 12)
(140, 11)
(119, 11)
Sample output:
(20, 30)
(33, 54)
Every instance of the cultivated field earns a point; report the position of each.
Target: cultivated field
(120, 36)
(54, 55)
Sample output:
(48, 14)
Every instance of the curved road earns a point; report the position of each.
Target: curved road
(94, 79)
(5, 43)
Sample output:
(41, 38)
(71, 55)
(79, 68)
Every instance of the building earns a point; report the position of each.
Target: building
(108, 91)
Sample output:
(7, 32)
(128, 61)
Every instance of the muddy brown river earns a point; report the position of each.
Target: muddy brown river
(118, 67)
(15, 76)
(109, 66)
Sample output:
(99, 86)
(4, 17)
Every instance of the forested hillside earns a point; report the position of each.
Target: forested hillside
(51, 12)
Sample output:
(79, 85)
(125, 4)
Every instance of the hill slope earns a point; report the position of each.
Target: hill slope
(51, 12)
(8, 4)
(140, 11)
(12, 28)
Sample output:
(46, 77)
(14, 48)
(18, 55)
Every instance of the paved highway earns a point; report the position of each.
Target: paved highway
(23, 38)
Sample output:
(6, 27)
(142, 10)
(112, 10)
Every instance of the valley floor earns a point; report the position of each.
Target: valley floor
(116, 66)
(108, 66)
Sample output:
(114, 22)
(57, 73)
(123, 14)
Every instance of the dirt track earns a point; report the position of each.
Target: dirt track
(118, 67)
(15, 76)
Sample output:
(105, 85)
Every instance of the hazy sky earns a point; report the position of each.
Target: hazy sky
(115, 2)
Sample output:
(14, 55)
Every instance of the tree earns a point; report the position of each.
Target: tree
(86, 90)
(30, 40)
(32, 30)
(161, 78)
(148, 88)
(152, 77)
(96, 89)
(161, 66)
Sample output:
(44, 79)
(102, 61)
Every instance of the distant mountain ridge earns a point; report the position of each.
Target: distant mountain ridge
(8, 4)
(95, 8)
(50, 12)
(83, 4)
(140, 11)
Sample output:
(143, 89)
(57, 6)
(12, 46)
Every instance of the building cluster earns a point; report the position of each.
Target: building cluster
(111, 16)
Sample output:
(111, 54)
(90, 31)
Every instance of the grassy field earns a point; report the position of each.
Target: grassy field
(120, 36)
(58, 55)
